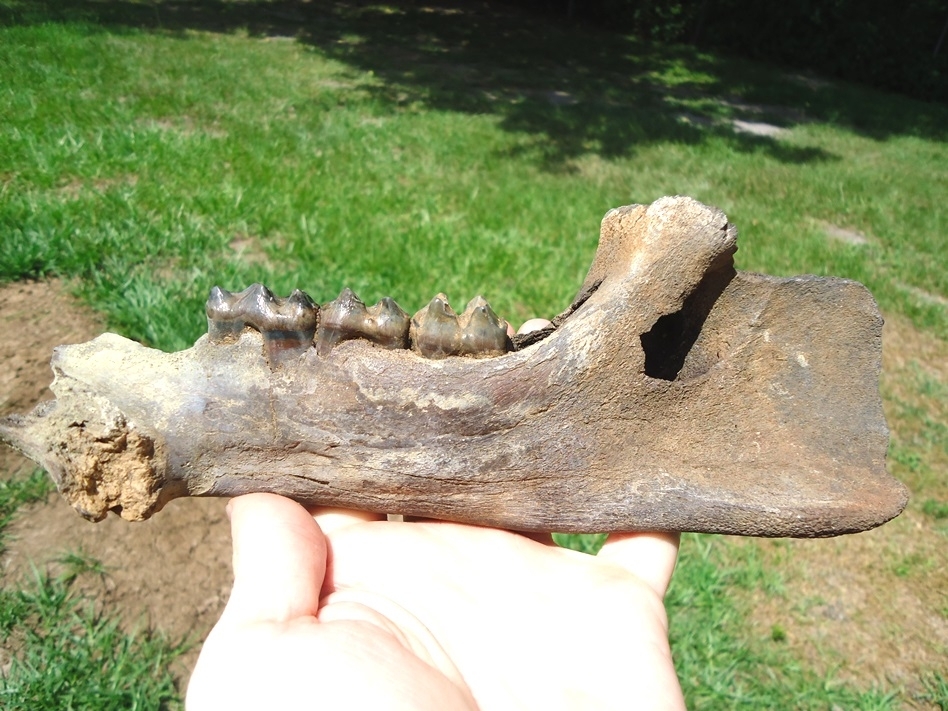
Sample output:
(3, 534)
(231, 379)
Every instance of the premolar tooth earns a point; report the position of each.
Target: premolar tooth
(340, 320)
(435, 332)
(289, 326)
(346, 318)
(483, 333)
(389, 324)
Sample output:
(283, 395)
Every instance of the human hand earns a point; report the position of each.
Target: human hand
(345, 610)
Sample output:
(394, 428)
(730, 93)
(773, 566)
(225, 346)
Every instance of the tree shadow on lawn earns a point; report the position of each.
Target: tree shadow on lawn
(578, 90)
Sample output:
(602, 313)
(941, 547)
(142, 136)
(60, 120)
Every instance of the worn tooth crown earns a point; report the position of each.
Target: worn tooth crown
(483, 333)
(389, 323)
(435, 332)
(288, 325)
(222, 324)
(346, 318)
(339, 320)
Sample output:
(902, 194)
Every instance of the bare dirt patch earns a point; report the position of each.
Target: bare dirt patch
(844, 235)
(171, 573)
(872, 607)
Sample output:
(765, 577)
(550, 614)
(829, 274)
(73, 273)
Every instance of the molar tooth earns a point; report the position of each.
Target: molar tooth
(435, 332)
(229, 313)
(483, 333)
(287, 325)
(347, 318)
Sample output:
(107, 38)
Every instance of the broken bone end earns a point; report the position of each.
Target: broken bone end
(98, 460)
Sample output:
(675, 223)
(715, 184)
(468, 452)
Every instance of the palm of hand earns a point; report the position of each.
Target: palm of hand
(352, 612)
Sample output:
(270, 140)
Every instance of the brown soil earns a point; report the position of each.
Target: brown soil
(171, 573)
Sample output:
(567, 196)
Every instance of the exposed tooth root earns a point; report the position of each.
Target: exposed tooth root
(347, 318)
(483, 333)
(288, 325)
(435, 332)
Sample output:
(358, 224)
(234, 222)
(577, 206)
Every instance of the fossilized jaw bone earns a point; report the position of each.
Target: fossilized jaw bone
(676, 394)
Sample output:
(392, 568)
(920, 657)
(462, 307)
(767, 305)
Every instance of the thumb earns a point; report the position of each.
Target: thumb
(279, 560)
(650, 557)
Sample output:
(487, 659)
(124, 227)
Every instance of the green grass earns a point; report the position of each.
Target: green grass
(16, 492)
(153, 150)
(936, 691)
(63, 651)
(719, 667)
(360, 155)
(69, 655)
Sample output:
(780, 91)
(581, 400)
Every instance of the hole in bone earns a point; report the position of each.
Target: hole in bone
(683, 345)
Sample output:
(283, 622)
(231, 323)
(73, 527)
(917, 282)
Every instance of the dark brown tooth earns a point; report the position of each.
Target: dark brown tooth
(388, 324)
(435, 332)
(483, 333)
(288, 325)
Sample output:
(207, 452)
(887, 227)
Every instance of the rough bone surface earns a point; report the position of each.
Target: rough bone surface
(675, 394)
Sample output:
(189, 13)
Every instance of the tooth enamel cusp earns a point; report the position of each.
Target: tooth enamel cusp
(674, 394)
(287, 325)
(346, 318)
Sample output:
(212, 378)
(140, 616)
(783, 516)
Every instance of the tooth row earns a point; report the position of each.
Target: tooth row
(291, 325)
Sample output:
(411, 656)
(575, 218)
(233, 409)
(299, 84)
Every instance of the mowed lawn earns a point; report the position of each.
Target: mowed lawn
(150, 151)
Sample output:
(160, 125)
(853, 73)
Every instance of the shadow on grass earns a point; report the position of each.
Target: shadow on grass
(578, 91)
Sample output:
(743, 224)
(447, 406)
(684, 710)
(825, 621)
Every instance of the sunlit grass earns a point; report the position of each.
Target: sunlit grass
(69, 655)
